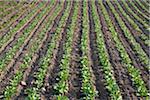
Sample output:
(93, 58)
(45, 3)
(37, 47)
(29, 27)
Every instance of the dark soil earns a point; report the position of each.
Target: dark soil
(128, 46)
(74, 81)
(14, 38)
(97, 71)
(52, 73)
(41, 53)
(140, 8)
(13, 66)
(137, 13)
(15, 22)
(122, 77)
(134, 32)
(135, 20)
(145, 3)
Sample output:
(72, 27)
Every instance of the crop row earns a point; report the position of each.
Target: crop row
(32, 93)
(135, 26)
(135, 16)
(111, 84)
(145, 39)
(138, 11)
(45, 61)
(144, 3)
(144, 11)
(62, 86)
(17, 19)
(6, 5)
(11, 89)
(143, 7)
(11, 18)
(15, 30)
(87, 88)
(126, 61)
(13, 8)
(13, 13)
(141, 54)
(26, 56)
(16, 45)
(11, 53)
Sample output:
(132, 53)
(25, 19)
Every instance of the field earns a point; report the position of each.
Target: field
(74, 50)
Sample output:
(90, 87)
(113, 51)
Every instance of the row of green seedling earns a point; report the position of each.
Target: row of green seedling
(143, 7)
(46, 60)
(12, 32)
(110, 80)
(126, 61)
(137, 9)
(27, 58)
(15, 16)
(4, 14)
(133, 14)
(4, 5)
(87, 88)
(62, 86)
(137, 48)
(12, 51)
(135, 26)
(145, 39)
(45, 63)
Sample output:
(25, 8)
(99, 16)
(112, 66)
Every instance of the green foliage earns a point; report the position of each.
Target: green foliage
(111, 84)
(87, 84)
(62, 86)
(27, 58)
(126, 61)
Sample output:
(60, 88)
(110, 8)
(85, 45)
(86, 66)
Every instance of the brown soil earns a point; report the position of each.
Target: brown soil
(29, 78)
(52, 73)
(144, 3)
(128, 46)
(122, 77)
(10, 11)
(14, 38)
(8, 18)
(13, 66)
(16, 21)
(6, 9)
(9, 66)
(134, 32)
(140, 8)
(135, 20)
(120, 72)
(74, 81)
(137, 13)
(96, 67)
